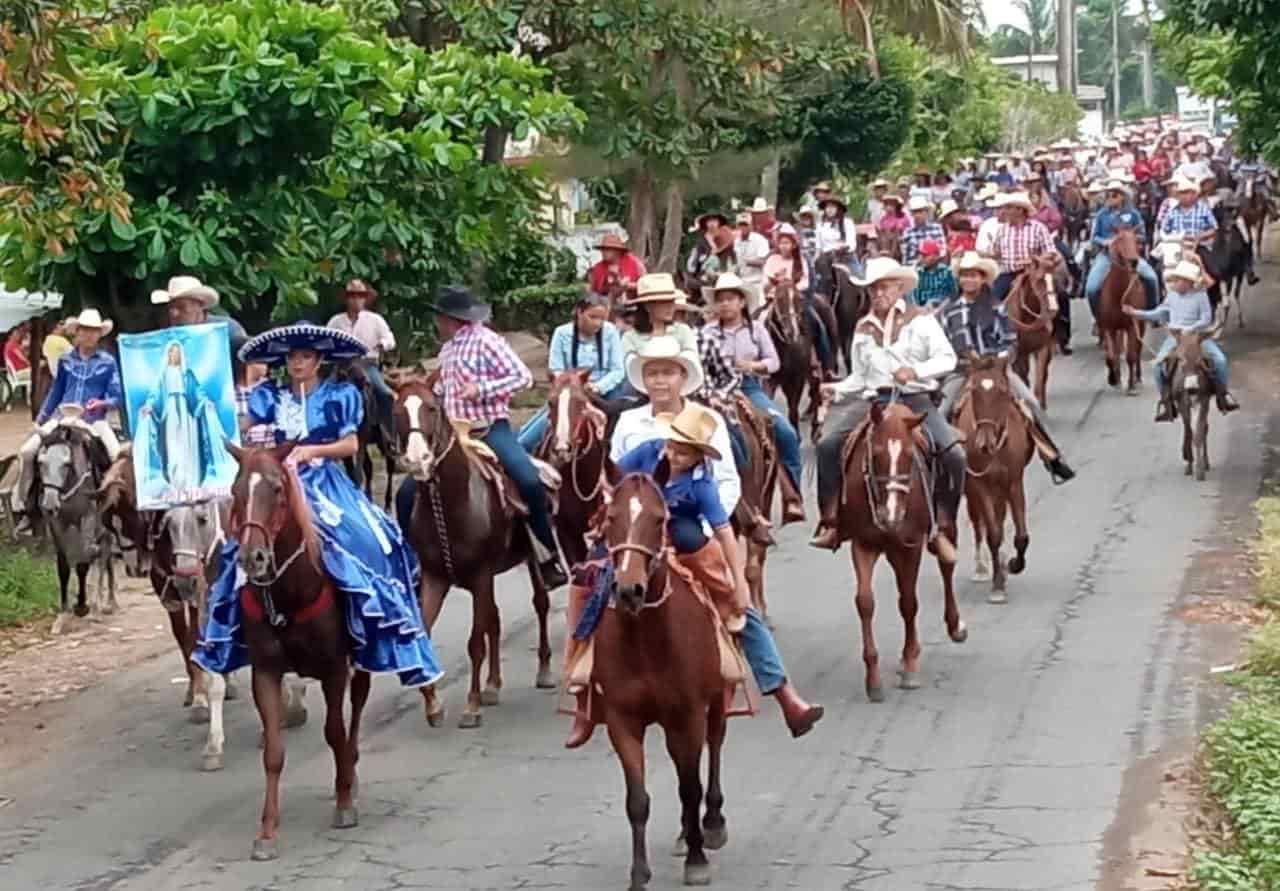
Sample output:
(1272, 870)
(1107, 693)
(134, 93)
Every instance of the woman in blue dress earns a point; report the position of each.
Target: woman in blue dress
(364, 553)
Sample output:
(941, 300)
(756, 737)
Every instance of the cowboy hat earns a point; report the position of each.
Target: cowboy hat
(729, 281)
(1116, 185)
(359, 288)
(1185, 270)
(988, 192)
(760, 206)
(1095, 188)
(823, 186)
(1017, 199)
(880, 183)
(185, 287)
(919, 202)
(884, 268)
(457, 302)
(832, 199)
(90, 318)
(744, 219)
(808, 210)
(947, 208)
(700, 223)
(274, 346)
(892, 196)
(786, 230)
(664, 349)
(973, 260)
(656, 287)
(694, 426)
(611, 241)
(1182, 184)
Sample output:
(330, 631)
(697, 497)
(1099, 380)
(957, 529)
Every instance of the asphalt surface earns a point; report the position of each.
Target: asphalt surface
(1004, 771)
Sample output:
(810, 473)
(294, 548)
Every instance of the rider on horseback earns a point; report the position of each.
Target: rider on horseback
(898, 346)
(1186, 308)
(1118, 214)
(976, 324)
(87, 377)
(372, 330)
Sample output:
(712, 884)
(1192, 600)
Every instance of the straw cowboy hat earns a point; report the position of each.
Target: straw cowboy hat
(1185, 270)
(727, 282)
(886, 268)
(89, 318)
(832, 199)
(1182, 184)
(700, 223)
(988, 192)
(359, 288)
(892, 196)
(273, 347)
(656, 287)
(919, 202)
(971, 260)
(823, 186)
(1095, 188)
(457, 302)
(786, 230)
(185, 287)
(611, 241)
(1016, 199)
(760, 206)
(664, 349)
(1116, 185)
(947, 208)
(880, 183)
(694, 426)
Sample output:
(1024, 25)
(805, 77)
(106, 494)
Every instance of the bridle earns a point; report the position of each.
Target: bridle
(1001, 429)
(269, 532)
(880, 485)
(87, 475)
(1026, 283)
(583, 438)
(656, 557)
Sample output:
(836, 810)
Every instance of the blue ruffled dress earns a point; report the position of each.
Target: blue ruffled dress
(363, 551)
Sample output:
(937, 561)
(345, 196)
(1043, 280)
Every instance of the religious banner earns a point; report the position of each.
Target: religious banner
(181, 402)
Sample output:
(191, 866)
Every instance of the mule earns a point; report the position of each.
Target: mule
(1122, 334)
(479, 535)
(293, 619)
(885, 510)
(656, 662)
(999, 446)
(798, 368)
(1032, 317)
(1191, 394)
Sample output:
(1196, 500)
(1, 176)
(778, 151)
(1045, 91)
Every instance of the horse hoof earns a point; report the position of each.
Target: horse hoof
(1187, 470)
(997, 597)
(715, 839)
(436, 718)
(190, 697)
(490, 696)
(295, 717)
(1017, 564)
(680, 848)
(697, 875)
(876, 693)
(981, 573)
(470, 720)
(961, 634)
(81, 611)
(346, 817)
(210, 763)
(909, 680)
(265, 849)
(233, 690)
(640, 877)
(199, 714)
(545, 680)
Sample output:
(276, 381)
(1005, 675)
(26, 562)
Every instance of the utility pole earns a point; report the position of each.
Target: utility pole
(1115, 60)
(1067, 47)
(1148, 76)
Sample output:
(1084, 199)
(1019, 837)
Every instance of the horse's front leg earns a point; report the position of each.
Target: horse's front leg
(431, 594)
(1188, 440)
(269, 699)
(906, 571)
(492, 693)
(715, 833)
(1021, 535)
(1202, 439)
(544, 680)
(626, 734)
(684, 745)
(1043, 360)
(335, 734)
(211, 758)
(981, 562)
(471, 716)
(864, 562)
(82, 599)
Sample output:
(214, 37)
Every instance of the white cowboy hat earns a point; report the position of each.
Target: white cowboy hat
(728, 281)
(1116, 185)
(90, 318)
(988, 192)
(919, 202)
(973, 260)
(186, 287)
(760, 206)
(694, 426)
(1016, 199)
(883, 268)
(1185, 270)
(880, 183)
(1182, 184)
(656, 287)
(947, 208)
(664, 349)
(1095, 188)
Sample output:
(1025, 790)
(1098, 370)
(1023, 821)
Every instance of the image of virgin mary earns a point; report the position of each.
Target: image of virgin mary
(179, 428)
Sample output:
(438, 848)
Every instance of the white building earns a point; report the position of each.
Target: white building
(1044, 69)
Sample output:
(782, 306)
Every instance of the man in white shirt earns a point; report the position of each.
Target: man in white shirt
(903, 347)
(750, 251)
(373, 331)
(985, 242)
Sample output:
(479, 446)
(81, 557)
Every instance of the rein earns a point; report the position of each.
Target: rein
(1038, 319)
(267, 609)
(657, 563)
(1001, 439)
(885, 483)
(580, 451)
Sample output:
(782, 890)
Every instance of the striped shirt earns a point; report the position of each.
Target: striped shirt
(478, 355)
(1188, 221)
(914, 237)
(1017, 246)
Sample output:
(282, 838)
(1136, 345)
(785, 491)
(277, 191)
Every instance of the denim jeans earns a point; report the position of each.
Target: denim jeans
(1217, 359)
(1098, 274)
(787, 437)
(686, 535)
(535, 428)
(761, 653)
(821, 337)
(385, 396)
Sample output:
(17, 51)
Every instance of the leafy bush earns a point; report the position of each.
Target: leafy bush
(529, 261)
(538, 309)
(28, 586)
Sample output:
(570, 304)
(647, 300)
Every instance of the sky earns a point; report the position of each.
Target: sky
(1002, 12)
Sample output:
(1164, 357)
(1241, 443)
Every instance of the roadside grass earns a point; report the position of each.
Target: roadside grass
(28, 586)
(1241, 753)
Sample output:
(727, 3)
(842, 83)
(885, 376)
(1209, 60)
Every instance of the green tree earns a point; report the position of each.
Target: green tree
(943, 24)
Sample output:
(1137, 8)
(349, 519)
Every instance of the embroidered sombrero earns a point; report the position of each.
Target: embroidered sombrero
(273, 347)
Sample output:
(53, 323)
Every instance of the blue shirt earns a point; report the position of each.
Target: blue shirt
(1181, 312)
(330, 412)
(690, 496)
(937, 283)
(602, 354)
(80, 380)
(1104, 224)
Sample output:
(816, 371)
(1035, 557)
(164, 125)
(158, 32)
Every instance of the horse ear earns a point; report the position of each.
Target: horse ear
(284, 450)
(584, 376)
(877, 412)
(234, 450)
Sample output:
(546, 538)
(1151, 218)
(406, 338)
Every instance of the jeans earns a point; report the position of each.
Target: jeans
(535, 428)
(1217, 360)
(381, 392)
(1098, 274)
(821, 337)
(787, 438)
(686, 535)
(31, 447)
(761, 653)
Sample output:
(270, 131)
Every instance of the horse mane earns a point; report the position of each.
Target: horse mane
(295, 504)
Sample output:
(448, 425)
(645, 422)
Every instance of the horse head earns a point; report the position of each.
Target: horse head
(576, 423)
(187, 543)
(1124, 248)
(889, 462)
(267, 507)
(65, 467)
(423, 429)
(1189, 361)
(118, 507)
(989, 398)
(634, 530)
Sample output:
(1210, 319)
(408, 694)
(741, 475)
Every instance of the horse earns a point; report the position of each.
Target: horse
(849, 302)
(68, 466)
(1228, 260)
(480, 536)
(1190, 392)
(119, 513)
(1075, 214)
(885, 509)
(1255, 213)
(759, 479)
(376, 429)
(1027, 306)
(798, 368)
(999, 446)
(576, 445)
(656, 662)
(1121, 333)
(293, 619)
(889, 243)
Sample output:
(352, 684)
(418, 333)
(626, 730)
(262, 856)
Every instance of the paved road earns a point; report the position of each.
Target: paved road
(1004, 772)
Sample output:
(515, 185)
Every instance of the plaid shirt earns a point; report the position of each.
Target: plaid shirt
(478, 355)
(1188, 221)
(915, 236)
(257, 434)
(1017, 246)
(967, 336)
(721, 381)
(936, 284)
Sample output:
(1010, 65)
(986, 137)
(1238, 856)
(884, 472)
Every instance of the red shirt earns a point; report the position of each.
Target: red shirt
(1142, 170)
(961, 240)
(14, 357)
(1159, 165)
(629, 267)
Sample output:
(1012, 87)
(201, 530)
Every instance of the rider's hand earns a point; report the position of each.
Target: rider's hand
(904, 375)
(470, 390)
(1128, 310)
(301, 454)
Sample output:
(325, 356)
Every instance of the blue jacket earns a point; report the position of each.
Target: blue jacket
(80, 380)
(1104, 224)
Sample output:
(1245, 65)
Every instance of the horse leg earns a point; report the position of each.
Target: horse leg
(981, 563)
(268, 697)
(1133, 355)
(715, 834)
(366, 461)
(211, 757)
(1113, 362)
(864, 562)
(471, 717)
(626, 734)
(542, 605)
(431, 594)
(492, 693)
(1188, 451)
(82, 603)
(684, 745)
(1021, 537)
(184, 623)
(906, 570)
(994, 506)
(360, 681)
(1202, 439)
(335, 734)
(1043, 358)
(391, 475)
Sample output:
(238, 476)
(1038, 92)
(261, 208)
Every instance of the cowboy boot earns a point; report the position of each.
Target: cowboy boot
(1164, 411)
(792, 499)
(583, 726)
(799, 715)
(827, 535)
(1226, 402)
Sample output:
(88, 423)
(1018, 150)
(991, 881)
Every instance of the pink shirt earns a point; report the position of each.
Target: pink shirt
(369, 328)
(479, 355)
(778, 268)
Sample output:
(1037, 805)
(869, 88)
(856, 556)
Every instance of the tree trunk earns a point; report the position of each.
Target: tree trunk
(1115, 60)
(673, 230)
(863, 13)
(769, 178)
(642, 220)
(1067, 47)
(495, 145)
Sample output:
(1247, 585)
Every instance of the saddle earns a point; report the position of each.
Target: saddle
(748, 513)
(486, 462)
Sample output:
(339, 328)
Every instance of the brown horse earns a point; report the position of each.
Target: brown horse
(293, 620)
(787, 325)
(759, 484)
(576, 445)
(1031, 315)
(656, 663)
(885, 510)
(889, 243)
(999, 445)
(1075, 214)
(1120, 333)
(1254, 213)
(466, 528)
(1191, 392)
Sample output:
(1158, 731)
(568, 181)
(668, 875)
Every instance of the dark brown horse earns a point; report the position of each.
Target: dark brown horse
(656, 663)
(889, 243)
(293, 620)
(884, 509)
(1191, 391)
(849, 302)
(999, 446)
(1075, 214)
(1255, 213)
(377, 430)
(1031, 315)
(466, 526)
(576, 445)
(1122, 334)
(759, 484)
(789, 328)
